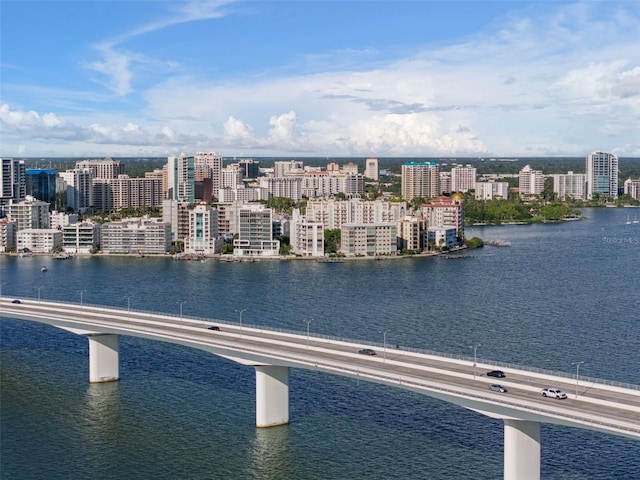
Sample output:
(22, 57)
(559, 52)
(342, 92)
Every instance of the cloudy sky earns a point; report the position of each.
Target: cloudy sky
(325, 78)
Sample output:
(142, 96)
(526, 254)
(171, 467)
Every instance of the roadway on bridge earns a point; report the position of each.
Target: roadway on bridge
(260, 346)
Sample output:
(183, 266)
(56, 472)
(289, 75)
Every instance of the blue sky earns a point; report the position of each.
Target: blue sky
(326, 78)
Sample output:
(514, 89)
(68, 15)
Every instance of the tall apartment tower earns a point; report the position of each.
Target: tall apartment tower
(371, 169)
(209, 165)
(463, 179)
(420, 179)
(530, 181)
(79, 185)
(180, 179)
(602, 174)
(102, 169)
(12, 181)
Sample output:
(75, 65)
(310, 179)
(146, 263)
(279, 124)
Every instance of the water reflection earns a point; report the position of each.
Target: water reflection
(102, 412)
(271, 453)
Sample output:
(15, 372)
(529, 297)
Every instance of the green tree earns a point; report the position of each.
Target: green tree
(332, 239)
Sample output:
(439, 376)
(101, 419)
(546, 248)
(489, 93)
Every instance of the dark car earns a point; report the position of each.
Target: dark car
(497, 388)
(213, 327)
(496, 374)
(16, 301)
(367, 351)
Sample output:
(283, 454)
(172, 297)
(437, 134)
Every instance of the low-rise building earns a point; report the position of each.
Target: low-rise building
(136, 235)
(368, 239)
(442, 237)
(81, 237)
(8, 231)
(38, 240)
(255, 232)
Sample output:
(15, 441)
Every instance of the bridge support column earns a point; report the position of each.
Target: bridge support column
(521, 450)
(272, 396)
(104, 358)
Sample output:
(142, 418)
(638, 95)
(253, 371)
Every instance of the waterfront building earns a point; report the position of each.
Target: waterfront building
(463, 179)
(530, 181)
(82, 237)
(176, 214)
(228, 218)
(368, 239)
(255, 233)
(570, 185)
(78, 183)
(136, 235)
(371, 169)
(445, 212)
(306, 238)
(420, 180)
(286, 186)
(602, 174)
(41, 184)
(12, 181)
(442, 236)
(491, 190)
(180, 179)
(203, 236)
(38, 240)
(632, 188)
(29, 214)
(8, 229)
(411, 233)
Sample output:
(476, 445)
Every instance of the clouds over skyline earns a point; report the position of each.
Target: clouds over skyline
(563, 79)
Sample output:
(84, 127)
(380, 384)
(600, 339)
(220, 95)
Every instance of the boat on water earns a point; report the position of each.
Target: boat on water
(44, 268)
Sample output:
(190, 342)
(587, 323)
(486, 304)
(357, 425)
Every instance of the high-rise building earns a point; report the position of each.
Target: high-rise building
(180, 179)
(79, 186)
(105, 169)
(12, 181)
(29, 214)
(602, 174)
(463, 178)
(203, 236)
(208, 165)
(41, 184)
(420, 179)
(371, 169)
(570, 185)
(255, 233)
(530, 181)
(632, 188)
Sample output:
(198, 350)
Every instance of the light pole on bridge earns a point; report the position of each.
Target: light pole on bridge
(181, 303)
(308, 322)
(240, 312)
(81, 292)
(39, 293)
(475, 357)
(577, 364)
(128, 297)
(384, 343)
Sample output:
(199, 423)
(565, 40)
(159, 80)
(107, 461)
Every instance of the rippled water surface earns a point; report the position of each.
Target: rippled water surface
(560, 294)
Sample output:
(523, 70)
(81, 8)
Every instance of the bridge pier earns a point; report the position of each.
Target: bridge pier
(521, 450)
(104, 352)
(272, 396)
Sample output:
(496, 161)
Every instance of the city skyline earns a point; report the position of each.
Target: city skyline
(366, 79)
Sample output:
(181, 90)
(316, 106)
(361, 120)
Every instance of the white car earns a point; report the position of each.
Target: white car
(553, 393)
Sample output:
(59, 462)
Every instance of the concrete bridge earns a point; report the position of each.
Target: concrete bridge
(592, 404)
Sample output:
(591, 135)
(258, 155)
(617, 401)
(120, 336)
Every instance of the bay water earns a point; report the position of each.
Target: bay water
(560, 294)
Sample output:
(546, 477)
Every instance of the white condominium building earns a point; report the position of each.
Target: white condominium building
(632, 188)
(530, 181)
(208, 165)
(203, 231)
(7, 234)
(445, 183)
(282, 168)
(333, 213)
(180, 179)
(420, 179)
(38, 240)
(570, 185)
(368, 239)
(288, 187)
(80, 237)
(79, 186)
(411, 233)
(371, 169)
(602, 174)
(107, 168)
(136, 235)
(306, 238)
(463, 178)
(30, 213)
(255, 232)
(491, 190)
(445, 212)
